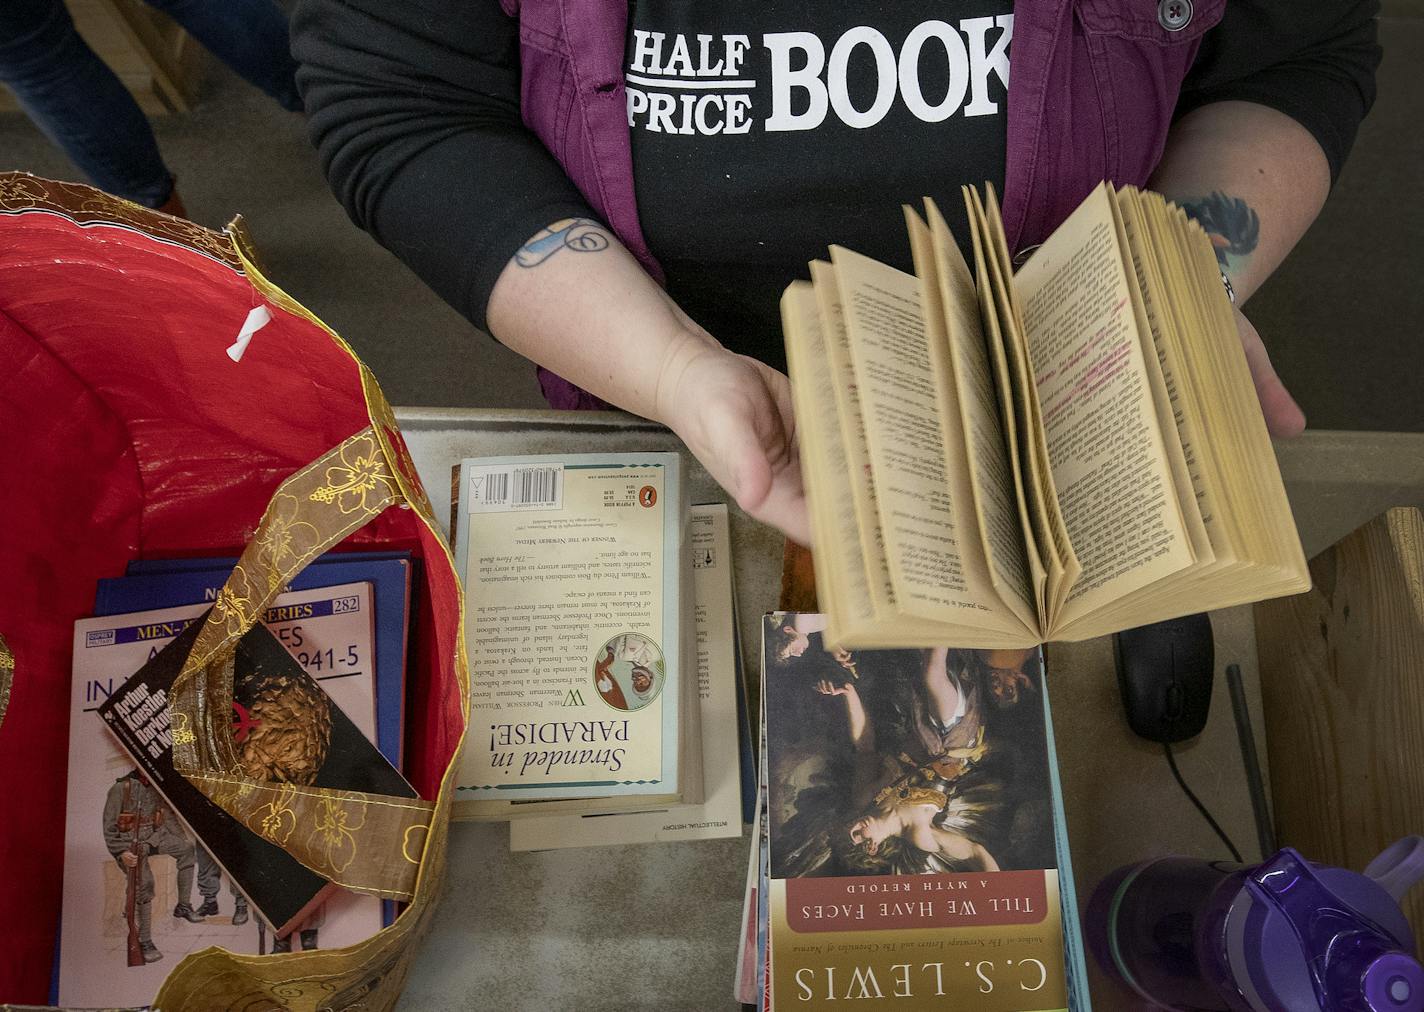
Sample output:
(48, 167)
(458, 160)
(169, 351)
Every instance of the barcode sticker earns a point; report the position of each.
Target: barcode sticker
(501, 488)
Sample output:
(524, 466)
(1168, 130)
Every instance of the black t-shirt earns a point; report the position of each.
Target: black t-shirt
(762, 133)
(414, 107)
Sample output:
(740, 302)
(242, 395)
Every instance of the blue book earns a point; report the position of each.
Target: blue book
(389, 573)
(142, 567)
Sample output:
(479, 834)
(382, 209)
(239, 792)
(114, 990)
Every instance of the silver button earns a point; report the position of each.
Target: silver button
(1174, 15)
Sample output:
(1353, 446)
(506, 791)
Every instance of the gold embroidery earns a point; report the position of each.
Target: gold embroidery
(405, 843)
(180, 732)
(275, 820)
(232, 608)
(362, 470)
(284, 533)
(333, 833)
(7, 674)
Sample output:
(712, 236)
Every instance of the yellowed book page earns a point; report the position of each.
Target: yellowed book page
(1274, 522)
(1149, 304)
(1063, 568)
(1113, 481)
(573, 623)
(975, 402)
(841, 584)
(926, 513)
(1051, 543)
(1008, 412)
(859, 479)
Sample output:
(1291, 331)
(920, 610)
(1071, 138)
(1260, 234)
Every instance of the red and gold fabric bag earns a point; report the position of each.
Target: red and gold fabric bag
(137, 425)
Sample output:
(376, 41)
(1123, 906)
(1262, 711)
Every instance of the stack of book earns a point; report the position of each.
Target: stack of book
(605, 706)
(910, 845)
(153, 870)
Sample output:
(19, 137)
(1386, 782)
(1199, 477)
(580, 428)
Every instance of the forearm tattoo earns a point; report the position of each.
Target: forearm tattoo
(582, 235)
(1233, 227)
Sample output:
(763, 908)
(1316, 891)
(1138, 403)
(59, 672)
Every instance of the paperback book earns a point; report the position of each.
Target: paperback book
(998, 460)
(175, 898)
(582, 696)
(720, 813)
(915, 849)
(168, 583)
(285, 729)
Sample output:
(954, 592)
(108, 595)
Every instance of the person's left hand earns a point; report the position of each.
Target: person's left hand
(1283, 416)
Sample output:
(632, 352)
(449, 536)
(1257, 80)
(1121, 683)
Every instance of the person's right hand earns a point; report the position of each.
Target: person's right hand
(826, 687)
(734, 413)
(129, 858)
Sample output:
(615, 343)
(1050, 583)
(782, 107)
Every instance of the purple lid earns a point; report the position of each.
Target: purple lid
(1301, 937)
(1393, 982)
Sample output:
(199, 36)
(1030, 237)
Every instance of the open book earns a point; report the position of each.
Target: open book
(1052, 455)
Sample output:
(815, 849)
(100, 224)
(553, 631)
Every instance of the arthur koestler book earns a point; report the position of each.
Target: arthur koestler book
(285, 728)
(914, 836)
(182, 900)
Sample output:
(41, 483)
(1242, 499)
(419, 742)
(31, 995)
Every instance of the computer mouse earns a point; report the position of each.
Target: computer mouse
(1165, 671)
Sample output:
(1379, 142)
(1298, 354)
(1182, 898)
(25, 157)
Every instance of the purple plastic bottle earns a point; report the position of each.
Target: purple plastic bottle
(1281, 936)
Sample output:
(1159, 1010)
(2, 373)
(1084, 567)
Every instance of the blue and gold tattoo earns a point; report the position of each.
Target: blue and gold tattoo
(1233, 227)
(578, 234)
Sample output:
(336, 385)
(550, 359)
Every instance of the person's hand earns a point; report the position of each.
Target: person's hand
(129, 858)
(1283, 416)
(843, 657)
(734, 413)
(826, 687)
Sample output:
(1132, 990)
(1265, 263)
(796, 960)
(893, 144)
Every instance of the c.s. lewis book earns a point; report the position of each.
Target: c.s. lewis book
(109, 808)
(1003, 459)
(273, 695)
(917, 854)
(578, 623)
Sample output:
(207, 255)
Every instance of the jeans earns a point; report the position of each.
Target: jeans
(81, 105)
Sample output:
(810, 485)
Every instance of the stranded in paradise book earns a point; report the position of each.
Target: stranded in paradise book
(578, 620)
(917, 854)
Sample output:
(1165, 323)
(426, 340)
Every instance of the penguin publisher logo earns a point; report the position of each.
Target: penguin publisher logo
(647, 496)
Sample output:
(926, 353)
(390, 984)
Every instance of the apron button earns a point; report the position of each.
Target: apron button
(1174, 15)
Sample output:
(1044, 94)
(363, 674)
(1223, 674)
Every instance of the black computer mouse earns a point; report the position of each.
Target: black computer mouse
(1165, 671)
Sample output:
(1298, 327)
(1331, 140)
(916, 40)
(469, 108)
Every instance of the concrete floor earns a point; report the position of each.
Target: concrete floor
(1342, 316)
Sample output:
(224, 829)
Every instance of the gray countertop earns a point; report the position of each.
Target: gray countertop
(656, 926)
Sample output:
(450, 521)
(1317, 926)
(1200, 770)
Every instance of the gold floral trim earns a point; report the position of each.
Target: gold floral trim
(22, 193)
(7, 677)
(325, 829)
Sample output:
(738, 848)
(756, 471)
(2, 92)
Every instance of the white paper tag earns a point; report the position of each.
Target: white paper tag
(256, 320)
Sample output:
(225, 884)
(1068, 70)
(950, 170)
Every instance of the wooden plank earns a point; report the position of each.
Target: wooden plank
(1342, 676)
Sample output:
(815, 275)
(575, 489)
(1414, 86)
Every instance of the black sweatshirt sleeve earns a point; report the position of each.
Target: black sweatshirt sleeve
(413, 106)
(1314, 61)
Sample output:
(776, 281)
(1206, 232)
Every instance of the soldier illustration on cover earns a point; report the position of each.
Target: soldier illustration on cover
(137, 825)
(210, 884)
(903, 761)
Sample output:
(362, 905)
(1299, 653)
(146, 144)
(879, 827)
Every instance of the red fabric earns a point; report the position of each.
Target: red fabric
(125, 432)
